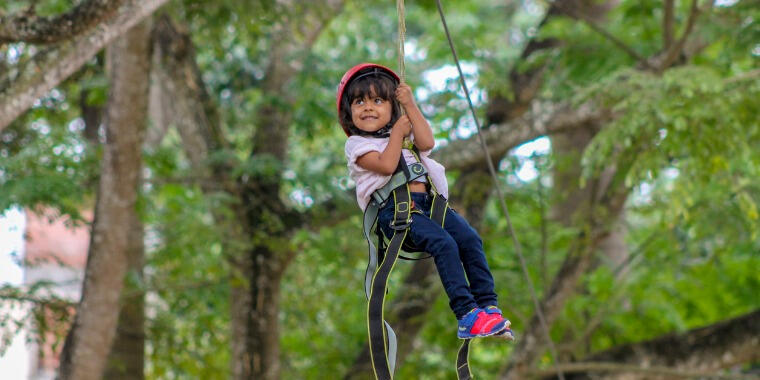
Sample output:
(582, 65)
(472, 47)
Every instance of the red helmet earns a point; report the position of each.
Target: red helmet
(351, 73)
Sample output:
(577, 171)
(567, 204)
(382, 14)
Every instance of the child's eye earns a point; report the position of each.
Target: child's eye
(358, 101)
(378, 100)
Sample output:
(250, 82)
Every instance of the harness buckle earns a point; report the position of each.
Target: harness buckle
(400, 226)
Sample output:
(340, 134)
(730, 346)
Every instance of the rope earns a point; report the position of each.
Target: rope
(401, 38)
(491, 169)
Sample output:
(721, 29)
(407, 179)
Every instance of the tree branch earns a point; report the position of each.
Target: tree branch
(677, 48)
(597, 28)
(667, 24)
(58, 63)
(28, 27)
(610, 304)
(616, 367)
(544, 118)
(190, 108)
(13, 294)
(705, 349)
(752, 74)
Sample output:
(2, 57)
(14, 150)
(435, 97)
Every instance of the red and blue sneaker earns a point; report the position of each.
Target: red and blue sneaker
(506, 332)
(478, 323)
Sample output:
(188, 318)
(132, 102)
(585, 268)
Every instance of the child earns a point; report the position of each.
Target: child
(369, 100)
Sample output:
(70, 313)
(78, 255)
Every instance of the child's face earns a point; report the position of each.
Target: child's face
(371, 113)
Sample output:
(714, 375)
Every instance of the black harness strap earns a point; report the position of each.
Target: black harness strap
(375, 310)
(463, 361)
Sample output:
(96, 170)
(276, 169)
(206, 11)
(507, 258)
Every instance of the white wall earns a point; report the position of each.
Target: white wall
(14, 363)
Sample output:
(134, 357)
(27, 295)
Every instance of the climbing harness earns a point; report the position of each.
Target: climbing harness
(381, 336)
(383, 257)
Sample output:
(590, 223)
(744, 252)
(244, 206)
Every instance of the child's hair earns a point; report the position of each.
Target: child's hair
(367, 80)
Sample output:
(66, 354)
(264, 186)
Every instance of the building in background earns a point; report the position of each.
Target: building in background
(53, 250)
(14, 362)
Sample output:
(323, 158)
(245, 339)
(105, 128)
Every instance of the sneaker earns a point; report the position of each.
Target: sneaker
(479, 323)
(506, 332)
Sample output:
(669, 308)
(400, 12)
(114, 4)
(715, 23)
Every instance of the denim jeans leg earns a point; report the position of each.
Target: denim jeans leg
(429, 236)
(473, 258)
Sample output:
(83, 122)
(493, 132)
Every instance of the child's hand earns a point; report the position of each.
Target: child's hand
(404, 95)
(403, 126)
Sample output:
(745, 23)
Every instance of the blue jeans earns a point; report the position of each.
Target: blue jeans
(457, 251)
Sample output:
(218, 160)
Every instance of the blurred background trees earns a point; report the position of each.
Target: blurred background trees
(626, 134)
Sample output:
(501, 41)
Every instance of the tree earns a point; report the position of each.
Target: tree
(87, 344)
(255, 299)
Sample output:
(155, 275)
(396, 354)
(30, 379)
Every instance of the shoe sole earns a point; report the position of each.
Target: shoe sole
(505, 333)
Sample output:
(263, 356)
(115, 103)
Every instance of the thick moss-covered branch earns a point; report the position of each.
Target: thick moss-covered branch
(544, 118)
(576, 369)
(695, 353)
(30, 28)
(50, 67)
(708, 348)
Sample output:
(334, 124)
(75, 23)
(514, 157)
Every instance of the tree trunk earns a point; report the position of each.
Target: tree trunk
(258, 344)
(50, 67)
(177, 77)
(90, 338)
(255, 339)
(127, 358)
(260, 217)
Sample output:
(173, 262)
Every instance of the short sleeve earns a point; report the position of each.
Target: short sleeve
(357, 147)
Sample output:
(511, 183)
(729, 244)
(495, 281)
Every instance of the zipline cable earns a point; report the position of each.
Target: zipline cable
(503, 204)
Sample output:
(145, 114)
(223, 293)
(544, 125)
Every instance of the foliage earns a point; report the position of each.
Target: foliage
(35, 309)
(687, 139)
(44, 160)
(691, 120)
(187, 276)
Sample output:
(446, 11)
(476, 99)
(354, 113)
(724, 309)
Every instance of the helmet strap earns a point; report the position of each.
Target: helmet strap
(380, 133)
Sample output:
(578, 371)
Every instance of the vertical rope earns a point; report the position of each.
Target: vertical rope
(505, 211)
(401, 38)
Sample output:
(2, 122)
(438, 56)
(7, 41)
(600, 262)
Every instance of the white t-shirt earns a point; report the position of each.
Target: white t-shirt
(368, 181)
